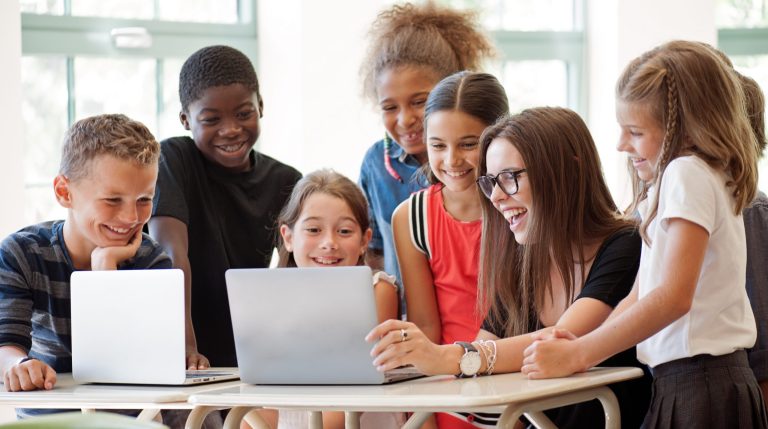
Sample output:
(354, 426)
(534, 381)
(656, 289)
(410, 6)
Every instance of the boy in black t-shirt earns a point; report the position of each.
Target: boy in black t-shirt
(217, 198)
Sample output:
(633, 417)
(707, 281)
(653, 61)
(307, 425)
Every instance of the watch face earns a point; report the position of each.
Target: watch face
(470, 363)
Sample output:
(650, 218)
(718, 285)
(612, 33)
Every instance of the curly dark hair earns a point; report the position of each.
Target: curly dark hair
(215, 66)
(438, 38)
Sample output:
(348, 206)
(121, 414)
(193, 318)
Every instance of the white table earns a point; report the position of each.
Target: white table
(68, 394)
(513, 392)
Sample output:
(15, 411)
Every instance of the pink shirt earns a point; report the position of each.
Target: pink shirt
(455, 257)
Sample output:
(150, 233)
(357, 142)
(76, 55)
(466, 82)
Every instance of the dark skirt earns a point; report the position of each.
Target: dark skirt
(706, 391)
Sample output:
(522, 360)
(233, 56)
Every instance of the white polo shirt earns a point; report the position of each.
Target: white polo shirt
(721, 319)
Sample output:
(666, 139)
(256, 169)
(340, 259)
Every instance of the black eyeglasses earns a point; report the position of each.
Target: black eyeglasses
(507, 181)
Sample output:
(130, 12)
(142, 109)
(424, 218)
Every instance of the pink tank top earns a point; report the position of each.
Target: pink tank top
(453, 252)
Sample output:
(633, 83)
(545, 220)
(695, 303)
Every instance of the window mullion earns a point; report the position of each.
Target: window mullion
(70, 91)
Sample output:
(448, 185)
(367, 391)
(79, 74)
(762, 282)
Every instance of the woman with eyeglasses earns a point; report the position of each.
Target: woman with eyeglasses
(555, 253)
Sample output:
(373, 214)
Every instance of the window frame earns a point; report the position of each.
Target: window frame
(566, 46)
(70, 36)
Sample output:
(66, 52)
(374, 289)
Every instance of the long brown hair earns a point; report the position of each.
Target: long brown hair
(698, 100)
(327, 182)
(571, 208)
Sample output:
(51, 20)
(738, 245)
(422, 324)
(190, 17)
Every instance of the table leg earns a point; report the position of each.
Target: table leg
(540, 420)
(352, 420)
(417, 419)
(197, 416)
(611, 406)
(236, 415)
(315, 420)
(255, 420)
(147, 415)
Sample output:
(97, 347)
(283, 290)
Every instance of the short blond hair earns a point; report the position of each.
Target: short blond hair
(110, 134)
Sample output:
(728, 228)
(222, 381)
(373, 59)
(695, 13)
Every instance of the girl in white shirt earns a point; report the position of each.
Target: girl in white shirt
(685, 129)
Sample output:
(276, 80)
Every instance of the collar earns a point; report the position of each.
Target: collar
(397, 152)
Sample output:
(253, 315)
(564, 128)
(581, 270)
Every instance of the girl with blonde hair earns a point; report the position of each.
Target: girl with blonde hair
(684, 126)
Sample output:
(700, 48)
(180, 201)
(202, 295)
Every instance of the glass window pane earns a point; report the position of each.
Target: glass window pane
(50, 7)
(129, 9)
(522, 15)
(756, 67)
(741, 13)
(44, 111)
(523, 82)
(169, 125)
(209, 11)
(112, 85)
(206, 11)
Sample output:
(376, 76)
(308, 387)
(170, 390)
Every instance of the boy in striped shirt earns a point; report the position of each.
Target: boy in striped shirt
(106, 182)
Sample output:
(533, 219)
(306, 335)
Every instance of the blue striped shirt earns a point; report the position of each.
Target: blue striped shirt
(35, 268)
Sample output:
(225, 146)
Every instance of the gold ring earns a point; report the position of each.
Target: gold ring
(403, 335)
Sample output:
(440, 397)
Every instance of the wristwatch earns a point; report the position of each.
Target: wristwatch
(470, 362)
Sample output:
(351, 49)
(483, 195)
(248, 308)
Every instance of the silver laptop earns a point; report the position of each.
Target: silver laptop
(128, 327)
(305, 326)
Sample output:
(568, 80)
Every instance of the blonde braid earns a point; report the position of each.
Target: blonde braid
(670, 147)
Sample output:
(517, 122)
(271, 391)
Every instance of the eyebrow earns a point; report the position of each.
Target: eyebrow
(318, 218)
(467, 137)
(418, 94)
(239, 106)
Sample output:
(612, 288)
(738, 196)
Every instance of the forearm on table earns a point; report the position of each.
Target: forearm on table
(637, 323)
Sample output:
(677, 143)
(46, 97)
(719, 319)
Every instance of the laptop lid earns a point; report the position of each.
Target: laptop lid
(303, 325)
(128, 326)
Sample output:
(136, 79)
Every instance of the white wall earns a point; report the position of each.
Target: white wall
(309, 58)
(12, 143)
(617, 32)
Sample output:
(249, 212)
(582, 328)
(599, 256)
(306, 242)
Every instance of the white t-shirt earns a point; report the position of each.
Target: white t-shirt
(721, 319)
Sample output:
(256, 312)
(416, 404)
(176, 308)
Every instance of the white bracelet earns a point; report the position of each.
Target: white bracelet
(22, 360)
(491, 357)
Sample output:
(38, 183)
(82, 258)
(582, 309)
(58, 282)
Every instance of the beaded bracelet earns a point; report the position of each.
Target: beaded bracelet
(490, 356)
(484, 350)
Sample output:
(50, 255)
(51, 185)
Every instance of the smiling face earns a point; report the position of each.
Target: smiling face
(225, 124)
(641, 138)
(516, 209)
(453, 148)
(326, 234)
(402, 94)
(107, 206)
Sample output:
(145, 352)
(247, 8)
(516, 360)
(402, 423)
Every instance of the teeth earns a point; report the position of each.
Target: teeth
(511, 213)
(231, 147)
(456, 173)
(326, 260)
(118, 230)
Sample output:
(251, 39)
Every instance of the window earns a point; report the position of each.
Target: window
(85, 57)
(743, 35)
(537, 41)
